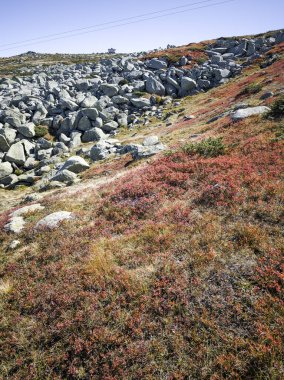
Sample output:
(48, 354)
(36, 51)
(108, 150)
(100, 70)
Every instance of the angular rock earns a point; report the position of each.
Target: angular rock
(9, 180)
(94, 134)
(4, 145)
(5, 169)
(154, 86)
(140, 102)
(109, 89)
(9, 134)
(91, 113)
(156, 64)
(84, 124)
(99, 152)
(110, 126)
(16, 154)
(68, 104)
(118, 99)
(76, 164)
(187, 85)
(65, 176)
(89, 102)
(27, 130)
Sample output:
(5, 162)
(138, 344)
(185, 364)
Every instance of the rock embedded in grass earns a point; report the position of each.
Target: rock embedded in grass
(27, 209)
(15, 225)
(247, 112)
(53, 220)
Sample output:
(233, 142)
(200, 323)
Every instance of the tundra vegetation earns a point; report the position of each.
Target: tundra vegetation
(173, 265)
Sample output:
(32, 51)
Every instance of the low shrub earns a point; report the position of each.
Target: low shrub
(279, 134)
(211, 147)
(123, 82)
(277, 108)
(41, 131)
(251, 89)
(201, 60)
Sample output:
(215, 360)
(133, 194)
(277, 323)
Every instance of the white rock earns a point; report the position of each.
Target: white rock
(246, 112)
(76, 164)
(27, 209)
(14, 244)
(5, 169)
(52, 220)
(16, 154)
(15, 225)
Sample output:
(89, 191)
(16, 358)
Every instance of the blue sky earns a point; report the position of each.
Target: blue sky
(25, 20)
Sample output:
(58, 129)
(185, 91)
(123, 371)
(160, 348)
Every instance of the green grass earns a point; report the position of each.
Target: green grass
(211, 147)
(41, 130)
(251, 89)
(277, 108)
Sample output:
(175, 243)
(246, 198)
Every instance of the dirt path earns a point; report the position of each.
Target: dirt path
(12, 198)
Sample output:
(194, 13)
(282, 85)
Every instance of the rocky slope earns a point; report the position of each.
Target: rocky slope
(166, 267)
(47, 116)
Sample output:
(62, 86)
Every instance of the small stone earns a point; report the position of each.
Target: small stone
(14, 244)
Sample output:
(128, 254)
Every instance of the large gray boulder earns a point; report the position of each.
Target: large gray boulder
(14, 118)
(187, 85)
(5, 169)
(9, 134)
(247, 112)
(76, 164)
(99, 152)
(68, 104)
(89, 102)
(140, 102)
(151, 140)
(16, 154)
(84, 124)
(94, 134)
(109, 89)
(27, 130)
(65, 176)
(53, 220)
(91, 113)
(156, 64)
(110, 126)
(154, 86)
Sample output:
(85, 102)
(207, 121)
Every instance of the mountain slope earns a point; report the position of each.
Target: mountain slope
(173, 266)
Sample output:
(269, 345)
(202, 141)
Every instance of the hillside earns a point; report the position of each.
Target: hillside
(168, 260)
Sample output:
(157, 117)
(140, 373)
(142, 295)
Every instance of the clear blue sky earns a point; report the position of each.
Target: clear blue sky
(24, 20)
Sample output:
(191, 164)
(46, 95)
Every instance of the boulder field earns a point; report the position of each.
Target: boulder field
(88, 103)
